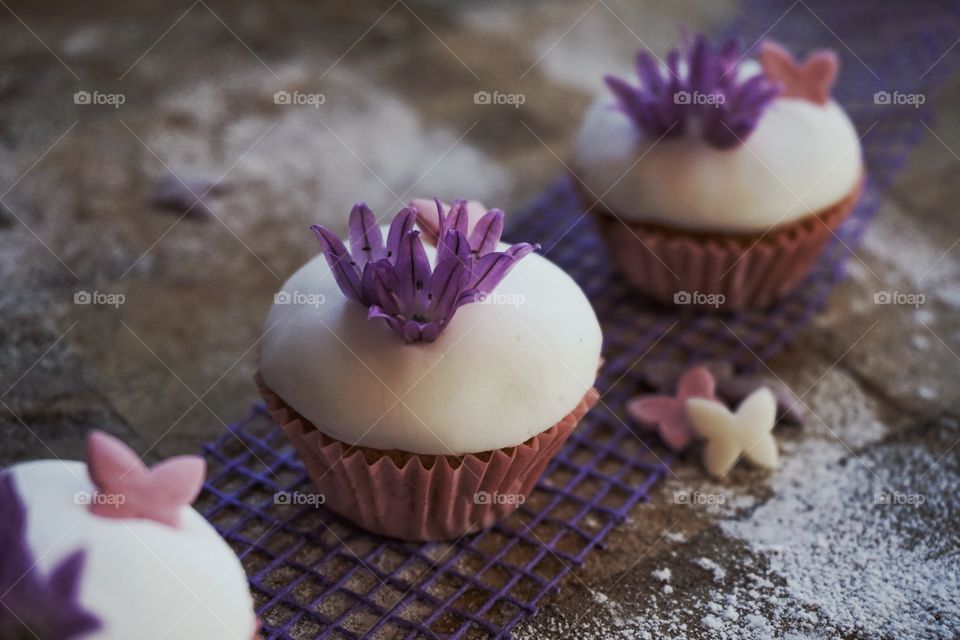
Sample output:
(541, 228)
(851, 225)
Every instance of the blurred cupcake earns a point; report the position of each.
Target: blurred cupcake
(426, 387)
(717, 181)
(111, 550)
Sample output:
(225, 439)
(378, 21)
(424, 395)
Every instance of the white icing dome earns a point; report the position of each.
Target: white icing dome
(501, 372)
(142, 579)
(801, 158)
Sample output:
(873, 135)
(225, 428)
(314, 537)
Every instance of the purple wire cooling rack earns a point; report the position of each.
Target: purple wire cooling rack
(315, 575)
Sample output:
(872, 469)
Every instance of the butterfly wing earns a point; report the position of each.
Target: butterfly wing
(110, 462)
(178, 481)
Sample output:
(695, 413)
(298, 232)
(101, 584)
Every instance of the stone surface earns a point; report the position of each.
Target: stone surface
(165, 354)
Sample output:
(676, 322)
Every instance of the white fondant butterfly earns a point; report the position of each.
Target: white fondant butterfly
(732, 435)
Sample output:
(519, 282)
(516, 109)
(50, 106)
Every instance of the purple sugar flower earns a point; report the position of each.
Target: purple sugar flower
(395, 279)
(700, 90)
(33, 605)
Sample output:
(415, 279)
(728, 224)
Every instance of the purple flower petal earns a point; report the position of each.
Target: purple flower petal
(458, 218)
(366, 239)
(441, 219)
(383, 285)
(673, 63)
(698, 84)
(34, 605)
(493, 267)
(490, 270)
(699, 62)
(429, 331)
(522, 249)
(628, 99)
(486, 234)
(377, 313)
(446, 284)
(342, 266)
(414, 332)
(454, 245)
(413, 269)
(649, 71)
(402, 224)
(397, 283)
(64, 580)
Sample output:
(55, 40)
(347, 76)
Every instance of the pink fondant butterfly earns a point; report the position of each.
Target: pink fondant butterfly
(811, 80)
(126, 488)
(667, 414)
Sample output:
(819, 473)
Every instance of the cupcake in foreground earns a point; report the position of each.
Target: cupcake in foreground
(111, 550)
(426, 386)
(717, 181)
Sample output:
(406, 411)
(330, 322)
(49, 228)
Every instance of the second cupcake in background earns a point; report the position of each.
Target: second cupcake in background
(426, 386)
(717, 181)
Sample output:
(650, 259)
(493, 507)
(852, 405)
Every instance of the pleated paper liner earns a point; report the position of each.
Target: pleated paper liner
(715, 270)
(420, 497)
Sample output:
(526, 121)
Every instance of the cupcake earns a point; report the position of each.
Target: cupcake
(426, 385)
(111, 550)
(717, 180)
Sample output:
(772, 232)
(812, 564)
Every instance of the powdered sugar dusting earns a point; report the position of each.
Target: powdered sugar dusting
(849, 545)
(864, 544)
(663, 575)
(719, 573)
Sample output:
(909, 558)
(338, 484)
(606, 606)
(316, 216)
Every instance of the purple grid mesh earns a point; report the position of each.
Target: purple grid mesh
(315, 575)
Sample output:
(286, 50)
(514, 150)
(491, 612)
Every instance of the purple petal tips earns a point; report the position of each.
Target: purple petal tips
(486, 235)
(33, 605)
(366, 239)
(698, 83)
(344, 268)
(396, 280)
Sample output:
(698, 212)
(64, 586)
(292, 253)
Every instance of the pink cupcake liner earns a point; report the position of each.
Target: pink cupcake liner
(421, 497)
(716, 270)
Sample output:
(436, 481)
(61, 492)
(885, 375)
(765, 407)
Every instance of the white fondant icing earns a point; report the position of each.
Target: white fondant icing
(141, 578)
(501, 372)
(800, 159)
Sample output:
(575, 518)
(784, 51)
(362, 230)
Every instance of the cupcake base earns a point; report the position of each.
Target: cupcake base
(420, 497)
(722, 271)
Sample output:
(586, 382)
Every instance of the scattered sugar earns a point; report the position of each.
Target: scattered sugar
(862, 568)
(719, 573)
(712, 622)
(663, 575)
(849, 567)
(927, 392)
(923, 316)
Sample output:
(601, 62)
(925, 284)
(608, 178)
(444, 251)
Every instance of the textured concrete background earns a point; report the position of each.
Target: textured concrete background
(809, 550)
